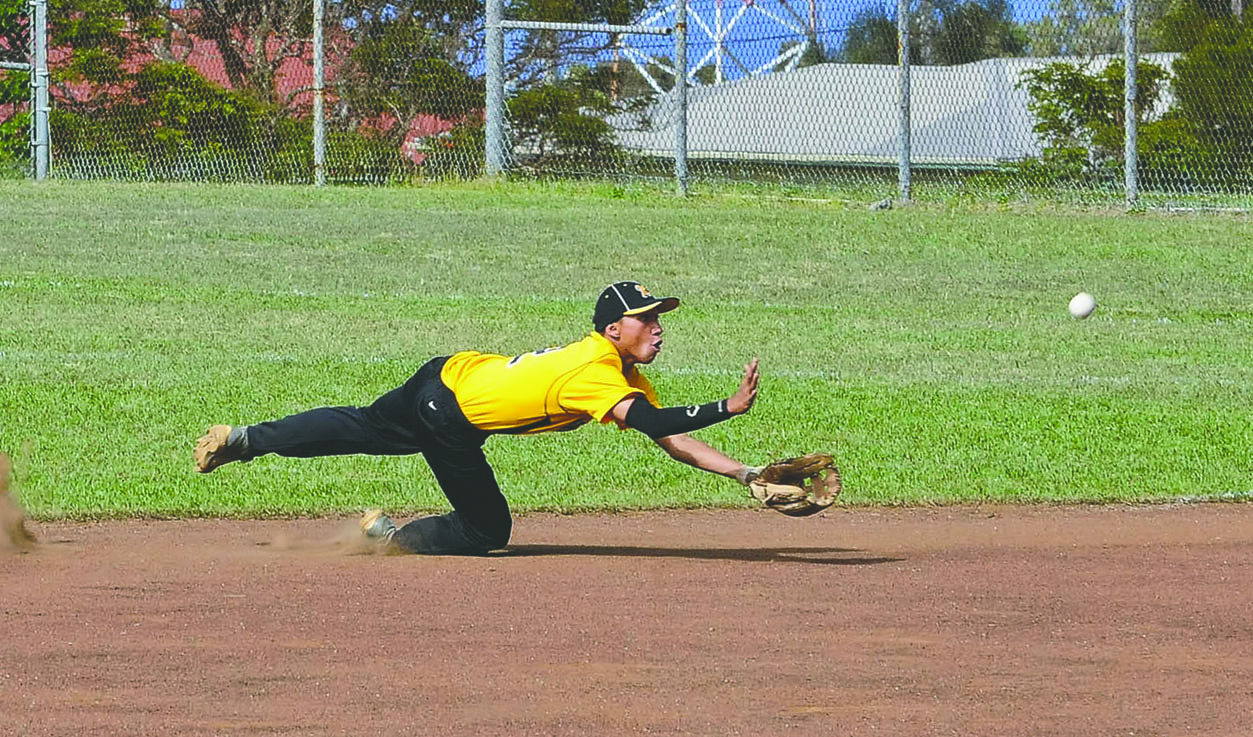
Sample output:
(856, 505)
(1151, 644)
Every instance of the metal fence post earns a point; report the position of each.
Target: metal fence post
(319, 93)
(1131, 183)
(495, 132)
(39, 88)
(903, 125)
(680, 95)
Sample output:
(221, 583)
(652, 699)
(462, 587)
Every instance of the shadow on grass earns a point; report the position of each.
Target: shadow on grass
(820, 556)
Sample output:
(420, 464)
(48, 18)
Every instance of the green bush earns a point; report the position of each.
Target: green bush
(1171, 157)
(360, 159)
(15, 140)
(172, 124)
(1081, 118)
(14, 130)
(458, 153)
(561, 126)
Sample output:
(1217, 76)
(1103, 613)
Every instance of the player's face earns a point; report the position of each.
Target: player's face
(639, 337)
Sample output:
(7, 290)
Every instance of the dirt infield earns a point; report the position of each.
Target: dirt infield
(971, 621)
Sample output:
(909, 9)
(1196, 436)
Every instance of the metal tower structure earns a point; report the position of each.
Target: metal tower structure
(716, 26)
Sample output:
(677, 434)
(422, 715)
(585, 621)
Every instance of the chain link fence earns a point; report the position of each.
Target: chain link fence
(1004, 99)
(15, 89)
(181, 94)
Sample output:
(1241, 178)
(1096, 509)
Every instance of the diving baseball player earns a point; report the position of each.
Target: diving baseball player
(448, 409)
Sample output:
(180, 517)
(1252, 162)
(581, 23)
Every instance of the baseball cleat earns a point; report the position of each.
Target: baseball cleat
(377, 527)
(216, 449)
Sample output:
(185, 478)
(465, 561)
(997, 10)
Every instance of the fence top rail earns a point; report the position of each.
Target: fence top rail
(536, 25)
(14, 65)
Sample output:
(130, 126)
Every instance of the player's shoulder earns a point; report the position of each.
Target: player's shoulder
(597, 349)
(592, 358)
(593, 353)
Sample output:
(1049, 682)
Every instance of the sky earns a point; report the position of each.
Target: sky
(754, 30)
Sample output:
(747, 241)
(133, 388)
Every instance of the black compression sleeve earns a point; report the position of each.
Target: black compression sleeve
(660, 423)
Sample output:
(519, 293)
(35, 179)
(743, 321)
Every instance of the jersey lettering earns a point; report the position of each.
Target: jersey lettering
(557, 388)
(513, 361)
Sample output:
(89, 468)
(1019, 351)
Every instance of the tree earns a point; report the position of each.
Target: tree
(1089, 28)
(14, 85)
(172, 109)
(813, 53)
(14, 31)
(942, 32)
(99, 36)
(540, 55)
(253, 37)
(561, 120)
(1082, 28)
(442, 29)
(624, 81)
(14, 45)
(401, 69)
(971, 31)
(1192, 23)
(871, 39)
(706, 75)
(423, 57)
(126, 105)
(1213, 87)
(1211, 125)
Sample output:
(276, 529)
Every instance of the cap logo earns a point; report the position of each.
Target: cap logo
(628, 298)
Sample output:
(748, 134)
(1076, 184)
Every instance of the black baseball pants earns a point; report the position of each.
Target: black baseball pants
(421, 416)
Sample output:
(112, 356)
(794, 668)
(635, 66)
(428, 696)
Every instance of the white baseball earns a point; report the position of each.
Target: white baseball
(1082, 304)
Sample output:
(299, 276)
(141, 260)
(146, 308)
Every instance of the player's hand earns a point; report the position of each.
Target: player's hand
(742, 400)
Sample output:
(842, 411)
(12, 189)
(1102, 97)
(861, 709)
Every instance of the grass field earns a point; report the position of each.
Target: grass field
(929, 348)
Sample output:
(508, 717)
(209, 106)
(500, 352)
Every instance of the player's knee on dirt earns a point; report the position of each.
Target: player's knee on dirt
(450, 534)
(491, 533)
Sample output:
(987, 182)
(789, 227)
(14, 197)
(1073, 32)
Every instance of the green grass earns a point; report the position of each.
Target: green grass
(929, 348)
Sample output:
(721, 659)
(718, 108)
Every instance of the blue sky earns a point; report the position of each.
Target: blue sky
(759, 27)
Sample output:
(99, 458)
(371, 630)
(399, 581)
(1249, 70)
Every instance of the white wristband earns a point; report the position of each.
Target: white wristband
(747, 474)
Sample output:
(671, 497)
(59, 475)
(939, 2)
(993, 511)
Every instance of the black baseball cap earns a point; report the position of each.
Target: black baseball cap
(627, 298)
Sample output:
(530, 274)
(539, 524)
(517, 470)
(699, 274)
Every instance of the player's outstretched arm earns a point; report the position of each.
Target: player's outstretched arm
(693, 452)
(657, 422)
(669, 427)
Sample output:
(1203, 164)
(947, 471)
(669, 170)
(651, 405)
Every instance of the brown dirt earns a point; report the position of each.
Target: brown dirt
(970, 621)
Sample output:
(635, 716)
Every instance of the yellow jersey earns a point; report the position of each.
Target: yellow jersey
(543, 391)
